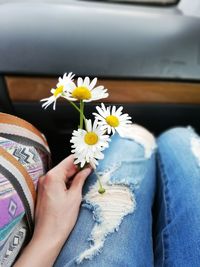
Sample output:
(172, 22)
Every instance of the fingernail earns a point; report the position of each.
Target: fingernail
(87, 171)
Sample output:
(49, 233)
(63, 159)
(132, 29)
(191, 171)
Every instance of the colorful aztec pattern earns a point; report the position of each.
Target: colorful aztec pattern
(34, 158)
(10, 204)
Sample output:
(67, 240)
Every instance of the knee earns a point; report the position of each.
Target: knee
(141, 136)
(176, 132)
(176, 137)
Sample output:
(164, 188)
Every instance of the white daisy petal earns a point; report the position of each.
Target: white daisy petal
(95, 125)
(70, 75)
(97, 116)
(119, 111)
(87, 146)
(44, 99)
(45, 105)
(105, 109)
(109, 130)
(54, 105)
(111, 119)
(48, 102)
(65, 81)
(125, 117)
(113, 110)
(82, 164)
(85, 90)
(100, 87)
(93, 83)
(80, 81)
(89, 125)
(101, 112)
(98, 93)
(86, 82)
(62, 86)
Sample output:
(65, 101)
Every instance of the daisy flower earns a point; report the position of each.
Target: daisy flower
(86, 91)
(61, 87)
(87, 145)
(66, 80)
(112, 119)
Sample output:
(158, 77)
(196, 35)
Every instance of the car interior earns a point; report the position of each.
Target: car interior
(146, 53)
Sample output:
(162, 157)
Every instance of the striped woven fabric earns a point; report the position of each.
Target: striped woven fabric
(24, 157)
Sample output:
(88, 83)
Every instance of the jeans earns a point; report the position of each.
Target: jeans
(150, 212)
(177, 238)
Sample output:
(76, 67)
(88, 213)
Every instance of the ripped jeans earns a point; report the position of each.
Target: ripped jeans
(118, 228)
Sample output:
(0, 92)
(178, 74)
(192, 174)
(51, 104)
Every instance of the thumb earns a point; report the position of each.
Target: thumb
(79, 179)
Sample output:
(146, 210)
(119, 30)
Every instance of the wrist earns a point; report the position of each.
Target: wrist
(41, 252)
(47, 245)
(49, 237)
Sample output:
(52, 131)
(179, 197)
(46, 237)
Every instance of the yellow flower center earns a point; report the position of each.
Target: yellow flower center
(91, 138)
(81, 93)
(58, 91)
(113, 121)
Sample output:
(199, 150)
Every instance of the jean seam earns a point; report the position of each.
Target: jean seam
(167, 216)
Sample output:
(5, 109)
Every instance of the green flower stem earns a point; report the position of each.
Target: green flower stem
(101, 190)
(79, 110)
(81, 113)
(75, 106)
(84, 118)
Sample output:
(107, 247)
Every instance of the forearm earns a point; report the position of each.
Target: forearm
(39, 253)
(55, 214)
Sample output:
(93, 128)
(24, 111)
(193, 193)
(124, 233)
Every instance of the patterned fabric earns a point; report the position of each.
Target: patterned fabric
(15, 127)
(24, 155)
(10, 204)
(13, 244)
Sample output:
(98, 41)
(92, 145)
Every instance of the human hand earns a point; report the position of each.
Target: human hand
(57, 207)
(56, 212)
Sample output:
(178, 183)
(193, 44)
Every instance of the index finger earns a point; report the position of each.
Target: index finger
(64, 170)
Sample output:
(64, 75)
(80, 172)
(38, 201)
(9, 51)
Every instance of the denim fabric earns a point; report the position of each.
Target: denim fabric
(177, 242)
(129, 241)
(176, 186)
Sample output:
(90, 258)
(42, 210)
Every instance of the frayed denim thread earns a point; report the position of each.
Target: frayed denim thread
(121, 204)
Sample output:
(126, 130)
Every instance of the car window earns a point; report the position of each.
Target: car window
(161, 2)
(188, 9)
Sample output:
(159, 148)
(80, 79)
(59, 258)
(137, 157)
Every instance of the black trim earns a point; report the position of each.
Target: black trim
(104, 77)
(58, 125)
(145, 4)
(5, 102)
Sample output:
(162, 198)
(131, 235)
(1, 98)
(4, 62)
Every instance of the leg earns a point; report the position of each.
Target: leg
(177, 241)
(115, 229)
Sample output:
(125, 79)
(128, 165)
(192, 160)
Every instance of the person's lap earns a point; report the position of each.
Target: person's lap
(177, 241)
(119, 223)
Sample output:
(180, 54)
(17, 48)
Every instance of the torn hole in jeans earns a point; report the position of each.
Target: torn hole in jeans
(195, 146)
(109, 209)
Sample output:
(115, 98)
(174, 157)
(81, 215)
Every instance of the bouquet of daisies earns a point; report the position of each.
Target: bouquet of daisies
(91, 138)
